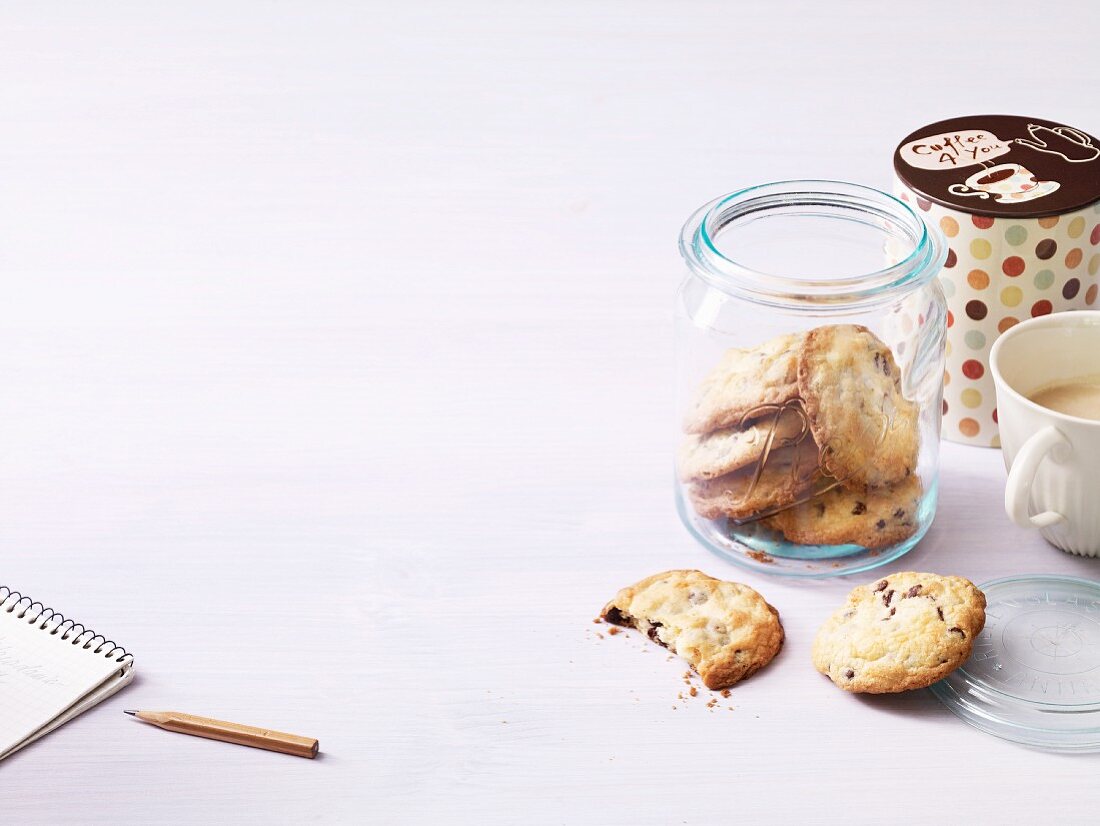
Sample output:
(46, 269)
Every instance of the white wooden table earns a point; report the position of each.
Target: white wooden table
(336, 353)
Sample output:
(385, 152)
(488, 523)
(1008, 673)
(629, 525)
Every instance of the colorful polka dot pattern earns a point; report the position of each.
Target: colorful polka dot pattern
(998, 273)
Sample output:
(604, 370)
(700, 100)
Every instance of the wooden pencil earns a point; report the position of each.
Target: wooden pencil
(257, 738)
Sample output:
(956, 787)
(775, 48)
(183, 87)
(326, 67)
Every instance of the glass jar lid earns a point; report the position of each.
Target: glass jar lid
(1034, 675)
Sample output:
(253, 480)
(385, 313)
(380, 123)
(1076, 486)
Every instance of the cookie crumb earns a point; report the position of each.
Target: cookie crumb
(598, 634)
(694, 691)
(760, 557)
(612, 631)
(725, 692)
(597, 620)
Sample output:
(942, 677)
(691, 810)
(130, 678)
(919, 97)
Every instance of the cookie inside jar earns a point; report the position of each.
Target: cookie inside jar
(809, 438)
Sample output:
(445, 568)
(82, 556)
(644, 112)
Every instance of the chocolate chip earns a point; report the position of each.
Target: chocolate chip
(912, 592)
(859, 508)
(617, 617)
(849, 673)
(899, 513)
(940, 612)
(880, 524)
(882, 585)
(652, 634)
(889, 595)
(957, 630)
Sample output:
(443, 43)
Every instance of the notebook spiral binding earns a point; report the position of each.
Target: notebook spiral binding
(47, 619)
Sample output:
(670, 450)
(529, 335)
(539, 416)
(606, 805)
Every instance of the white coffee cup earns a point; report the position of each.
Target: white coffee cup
(1053, 459)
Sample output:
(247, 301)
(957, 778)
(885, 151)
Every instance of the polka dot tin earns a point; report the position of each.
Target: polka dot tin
(1018, 200)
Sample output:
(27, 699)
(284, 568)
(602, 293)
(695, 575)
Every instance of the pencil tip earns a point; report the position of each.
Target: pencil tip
(129, 711)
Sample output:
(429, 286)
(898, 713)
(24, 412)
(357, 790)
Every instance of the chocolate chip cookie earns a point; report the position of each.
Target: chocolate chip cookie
(905, 631)
(874, 518)
(851, 387)
(725, 630)
(746, 380)
(724, 451)
(785, 477)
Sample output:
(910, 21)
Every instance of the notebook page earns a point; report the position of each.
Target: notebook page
(42, 675)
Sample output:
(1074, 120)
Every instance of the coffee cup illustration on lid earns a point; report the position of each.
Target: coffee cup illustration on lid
(1018, 200)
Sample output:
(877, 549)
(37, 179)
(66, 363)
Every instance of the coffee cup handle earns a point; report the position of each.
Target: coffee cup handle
(1021, 476)
(965, 191)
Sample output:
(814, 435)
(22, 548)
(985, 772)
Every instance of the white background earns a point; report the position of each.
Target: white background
(335, 345)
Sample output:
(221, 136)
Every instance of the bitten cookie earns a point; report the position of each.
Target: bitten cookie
(851, 387)
(874, 518)
(903, 632)
(786, 476)
(725, 630)
(724, 451)
(745, 381)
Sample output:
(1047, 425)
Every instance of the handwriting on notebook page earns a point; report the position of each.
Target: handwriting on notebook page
(15, 665)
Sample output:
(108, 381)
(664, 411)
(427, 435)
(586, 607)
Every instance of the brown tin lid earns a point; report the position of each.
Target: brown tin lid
(1001, 165)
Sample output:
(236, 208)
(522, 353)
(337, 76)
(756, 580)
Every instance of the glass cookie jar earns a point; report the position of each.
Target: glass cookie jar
(810, 360)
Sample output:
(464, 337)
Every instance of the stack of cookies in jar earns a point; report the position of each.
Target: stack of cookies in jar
(807, 435)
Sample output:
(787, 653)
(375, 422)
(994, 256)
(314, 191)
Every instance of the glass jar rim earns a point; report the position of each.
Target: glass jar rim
(834, 199)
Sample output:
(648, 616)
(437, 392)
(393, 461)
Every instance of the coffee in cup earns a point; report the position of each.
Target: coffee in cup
(1078, 397)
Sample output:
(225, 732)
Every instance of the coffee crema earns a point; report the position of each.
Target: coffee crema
(1078, 397)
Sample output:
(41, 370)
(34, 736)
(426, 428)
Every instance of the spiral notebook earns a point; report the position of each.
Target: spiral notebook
(51, 670)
